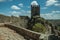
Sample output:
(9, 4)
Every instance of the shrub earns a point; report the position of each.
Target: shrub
(38, 27)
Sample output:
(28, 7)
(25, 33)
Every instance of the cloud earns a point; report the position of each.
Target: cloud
(14, 7)
(56, 12)
(51, 2)
(44, 8)
(15, 13)
(18, 13)
(52, 15)
(21, 5)
(57, 4)
(26, 13)
(5, 0)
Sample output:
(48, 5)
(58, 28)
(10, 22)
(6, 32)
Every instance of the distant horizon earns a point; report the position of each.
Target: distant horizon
(28, 16)
(49, 9)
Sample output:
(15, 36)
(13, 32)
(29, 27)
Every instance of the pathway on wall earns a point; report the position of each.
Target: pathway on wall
(8, 34)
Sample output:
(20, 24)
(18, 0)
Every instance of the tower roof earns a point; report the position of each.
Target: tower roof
(34, 3)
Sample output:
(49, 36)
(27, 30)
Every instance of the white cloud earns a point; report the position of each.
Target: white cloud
(15, 13)
(57, 4)
(21, 5)
(5, 0)
(18, 13)
(55, 11)
(15, 7)
(26, 13)
(52, 15)
(51, 2)
(44, 8)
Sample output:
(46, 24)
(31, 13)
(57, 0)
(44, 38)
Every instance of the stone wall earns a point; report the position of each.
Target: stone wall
(24, 32)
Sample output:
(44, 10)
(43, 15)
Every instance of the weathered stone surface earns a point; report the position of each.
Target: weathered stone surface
(8, 34)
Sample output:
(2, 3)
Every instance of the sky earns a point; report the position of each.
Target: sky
(49, 9)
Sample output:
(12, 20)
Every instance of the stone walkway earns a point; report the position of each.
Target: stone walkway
(8, 34)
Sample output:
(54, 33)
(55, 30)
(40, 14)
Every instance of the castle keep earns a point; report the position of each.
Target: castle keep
(35, 9)
(35, 13)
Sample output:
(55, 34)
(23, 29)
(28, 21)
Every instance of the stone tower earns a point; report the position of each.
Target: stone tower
(35, 9)
(35, 13)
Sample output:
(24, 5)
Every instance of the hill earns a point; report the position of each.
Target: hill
(40, 25)
(55, 22)
(18, 21)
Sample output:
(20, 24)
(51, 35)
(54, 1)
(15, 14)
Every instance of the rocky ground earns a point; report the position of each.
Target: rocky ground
(8, 34)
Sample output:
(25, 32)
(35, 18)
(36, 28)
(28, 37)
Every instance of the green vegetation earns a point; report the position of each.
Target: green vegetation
(38, 27)
(41, 19)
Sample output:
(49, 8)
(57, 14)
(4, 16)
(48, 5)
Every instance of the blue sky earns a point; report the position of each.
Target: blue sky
(49, 9)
